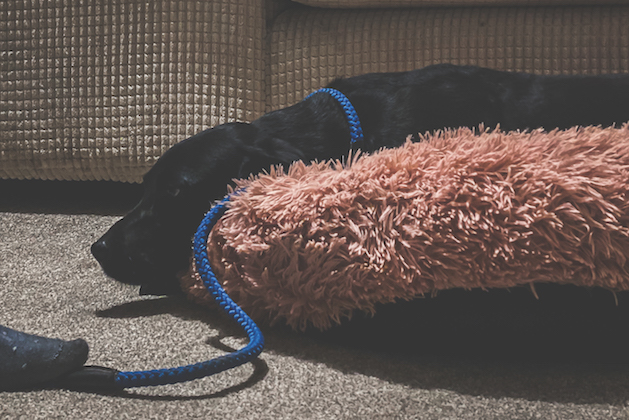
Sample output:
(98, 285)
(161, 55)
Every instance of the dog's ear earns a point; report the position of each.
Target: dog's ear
(272, 151)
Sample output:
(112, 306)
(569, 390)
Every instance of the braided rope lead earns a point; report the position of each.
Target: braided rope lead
(219, 364)
(355, 130)
(256, 340)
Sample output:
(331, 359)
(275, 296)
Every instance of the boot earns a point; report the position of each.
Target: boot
(28, 360)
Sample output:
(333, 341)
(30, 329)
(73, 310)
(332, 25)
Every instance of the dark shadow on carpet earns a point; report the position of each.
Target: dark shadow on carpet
(569, 346)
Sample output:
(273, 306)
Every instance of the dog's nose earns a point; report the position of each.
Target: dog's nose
(100, 250)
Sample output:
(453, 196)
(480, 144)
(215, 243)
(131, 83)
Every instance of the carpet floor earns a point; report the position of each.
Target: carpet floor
(458, 355)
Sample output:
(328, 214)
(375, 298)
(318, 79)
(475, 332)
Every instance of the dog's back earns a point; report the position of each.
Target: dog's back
(393, 105)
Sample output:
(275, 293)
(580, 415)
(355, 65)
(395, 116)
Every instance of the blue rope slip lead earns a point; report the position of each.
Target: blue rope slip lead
(355, 130)
(222, 363)
(104, 377)
(256, 339)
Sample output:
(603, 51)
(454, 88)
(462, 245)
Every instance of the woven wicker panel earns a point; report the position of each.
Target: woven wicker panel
(311, 47)
(358, 4)
(100, 89)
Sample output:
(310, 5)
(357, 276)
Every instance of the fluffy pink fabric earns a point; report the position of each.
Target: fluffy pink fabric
(457, 210)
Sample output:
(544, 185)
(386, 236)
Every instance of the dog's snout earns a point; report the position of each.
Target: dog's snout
(100, 250)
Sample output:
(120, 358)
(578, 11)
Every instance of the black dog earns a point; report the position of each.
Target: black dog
(153, 242)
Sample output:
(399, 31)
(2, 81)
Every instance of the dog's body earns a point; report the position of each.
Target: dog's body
(152, 243)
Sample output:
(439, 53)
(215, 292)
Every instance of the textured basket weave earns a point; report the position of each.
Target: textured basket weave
(98, 90)
(311, 47)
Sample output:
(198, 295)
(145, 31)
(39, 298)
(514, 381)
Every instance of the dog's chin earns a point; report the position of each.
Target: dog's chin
(156, 285)
(159, 289)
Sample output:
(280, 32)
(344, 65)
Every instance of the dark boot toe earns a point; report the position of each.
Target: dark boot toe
(27, 360)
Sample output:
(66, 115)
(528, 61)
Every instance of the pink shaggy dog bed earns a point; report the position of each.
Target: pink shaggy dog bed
(457, 210)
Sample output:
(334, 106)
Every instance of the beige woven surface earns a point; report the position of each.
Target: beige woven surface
(351, 4)
(100, 89)
(311, 47)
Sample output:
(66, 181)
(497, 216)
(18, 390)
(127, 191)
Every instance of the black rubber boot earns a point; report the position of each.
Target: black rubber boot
(28, 360)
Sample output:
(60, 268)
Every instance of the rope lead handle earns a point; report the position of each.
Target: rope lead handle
(222, 363)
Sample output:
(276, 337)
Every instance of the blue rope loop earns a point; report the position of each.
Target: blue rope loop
(256, 339)
(219, 364)
(355, 130)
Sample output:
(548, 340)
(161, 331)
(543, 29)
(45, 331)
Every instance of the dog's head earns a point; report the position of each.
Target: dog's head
(152, 243)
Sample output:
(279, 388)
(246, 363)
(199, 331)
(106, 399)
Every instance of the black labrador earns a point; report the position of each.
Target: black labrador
(152, 243)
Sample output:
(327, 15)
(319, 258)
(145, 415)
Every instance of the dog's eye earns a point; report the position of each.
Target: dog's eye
(167, 199)
(173, 192)
(165, 208)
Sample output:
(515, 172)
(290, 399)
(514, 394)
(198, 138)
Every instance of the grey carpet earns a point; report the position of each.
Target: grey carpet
(428, 367)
